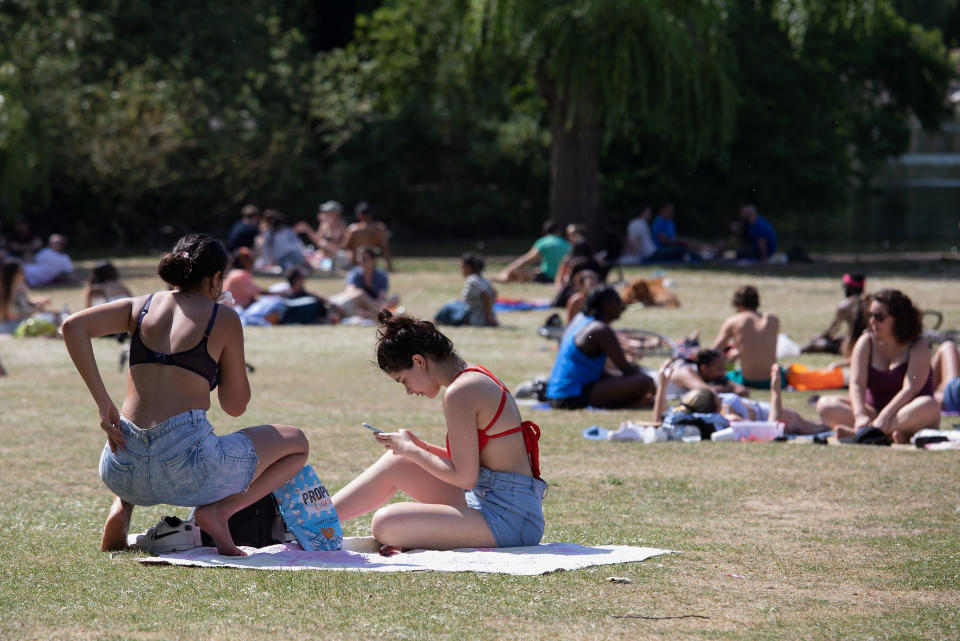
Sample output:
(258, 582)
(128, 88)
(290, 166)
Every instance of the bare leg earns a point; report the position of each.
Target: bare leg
(633, 391)
(117, 525)
(946, 366)
(916, 415)
(837, 414)
(431, 526)
(282, 451)
(378, 483)
(440, 521)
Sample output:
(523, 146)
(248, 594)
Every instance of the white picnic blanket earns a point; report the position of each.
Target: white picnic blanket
(360, 554)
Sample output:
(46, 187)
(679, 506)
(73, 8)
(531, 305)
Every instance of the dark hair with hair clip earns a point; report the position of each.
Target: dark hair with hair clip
(193, 258)
(400, 337)
(907, 319)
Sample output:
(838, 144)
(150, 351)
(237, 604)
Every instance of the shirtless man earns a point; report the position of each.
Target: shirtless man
(751, 336)
(367, 232)
(850, 312)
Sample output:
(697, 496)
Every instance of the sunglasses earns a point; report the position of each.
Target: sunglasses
(877, 316)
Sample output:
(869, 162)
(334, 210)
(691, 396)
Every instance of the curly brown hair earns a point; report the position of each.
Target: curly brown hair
(907, 319)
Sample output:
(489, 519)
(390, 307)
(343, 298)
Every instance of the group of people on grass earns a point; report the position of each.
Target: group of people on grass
(276, 246)
(482, 488)
(895, 384)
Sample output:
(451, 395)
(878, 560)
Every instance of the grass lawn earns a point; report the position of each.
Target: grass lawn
(779, 541)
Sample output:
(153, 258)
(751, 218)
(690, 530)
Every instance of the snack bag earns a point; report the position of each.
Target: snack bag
(308, 511)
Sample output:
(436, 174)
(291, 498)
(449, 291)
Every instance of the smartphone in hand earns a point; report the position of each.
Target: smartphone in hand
(372, 428)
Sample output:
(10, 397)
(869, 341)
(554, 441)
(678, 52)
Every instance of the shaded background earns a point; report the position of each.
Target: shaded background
(125, 124)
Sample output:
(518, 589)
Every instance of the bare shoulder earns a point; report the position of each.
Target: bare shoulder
(469, 388)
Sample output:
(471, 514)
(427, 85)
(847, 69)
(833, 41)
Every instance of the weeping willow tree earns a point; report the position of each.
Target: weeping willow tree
(632, 70)
(614, 69)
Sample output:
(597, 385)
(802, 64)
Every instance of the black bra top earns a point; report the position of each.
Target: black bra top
(196, 359)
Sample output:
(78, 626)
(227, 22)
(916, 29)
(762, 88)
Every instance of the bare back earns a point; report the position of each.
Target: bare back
(483, 395)
(174, 323)
(755, 334)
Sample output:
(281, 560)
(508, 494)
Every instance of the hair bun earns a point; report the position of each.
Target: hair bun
(384, 315)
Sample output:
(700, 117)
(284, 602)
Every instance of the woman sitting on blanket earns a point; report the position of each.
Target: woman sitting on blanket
(483, 489)
(162, 448)
(891, 379)
(734, 408)
(579, 376)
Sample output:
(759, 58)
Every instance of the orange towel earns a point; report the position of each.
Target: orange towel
(802, 378)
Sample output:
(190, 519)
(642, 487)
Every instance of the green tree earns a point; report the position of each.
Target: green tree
(615, 69)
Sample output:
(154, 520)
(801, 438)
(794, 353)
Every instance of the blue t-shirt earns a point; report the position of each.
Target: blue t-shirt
(761, 228)
(380, 284)
(665, 227)
(573, 369)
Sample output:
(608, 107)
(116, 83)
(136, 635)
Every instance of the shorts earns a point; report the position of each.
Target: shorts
(573, 402)
(511, 504)
(737, 377)
(951, 395)
(180, 461)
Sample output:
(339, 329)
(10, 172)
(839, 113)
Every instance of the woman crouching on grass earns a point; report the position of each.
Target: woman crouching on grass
(162, 448)
(484, 488)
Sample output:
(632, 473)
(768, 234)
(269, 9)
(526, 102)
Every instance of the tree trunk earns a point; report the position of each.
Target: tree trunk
(574, 163)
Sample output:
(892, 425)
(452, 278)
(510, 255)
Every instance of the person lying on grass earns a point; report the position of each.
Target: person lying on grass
(161, 448)
(733, 407)
(483, 489)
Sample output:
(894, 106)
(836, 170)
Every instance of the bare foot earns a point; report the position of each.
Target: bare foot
(844, 431)
(214, 523)
(116, 527)
(899, 437)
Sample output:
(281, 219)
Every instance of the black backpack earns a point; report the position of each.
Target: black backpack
(257, 525)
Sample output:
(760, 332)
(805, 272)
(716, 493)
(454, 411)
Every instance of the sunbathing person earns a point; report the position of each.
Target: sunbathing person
(734, 408)
(161, 448)
(367, 232)
(583, 281)
(946, 376)
(483, 489)
(579, 376)
(891, 380)
(366, 288)
(104, 285)
(850, 312)
(750, 336)
(706, 372)
(549, 249)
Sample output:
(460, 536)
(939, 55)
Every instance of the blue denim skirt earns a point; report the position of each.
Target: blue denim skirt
(512, 505)
(178, 462)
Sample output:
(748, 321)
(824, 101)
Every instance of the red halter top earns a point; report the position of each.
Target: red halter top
(531, 431)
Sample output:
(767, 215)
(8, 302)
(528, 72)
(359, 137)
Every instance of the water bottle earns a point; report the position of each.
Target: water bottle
(690, 434)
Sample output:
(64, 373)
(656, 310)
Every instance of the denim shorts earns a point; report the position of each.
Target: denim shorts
(178, 462)
(512, 505)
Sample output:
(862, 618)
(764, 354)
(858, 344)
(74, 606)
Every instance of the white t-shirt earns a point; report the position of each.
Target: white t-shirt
(47, 265)
(741, 406)
(639, 239)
